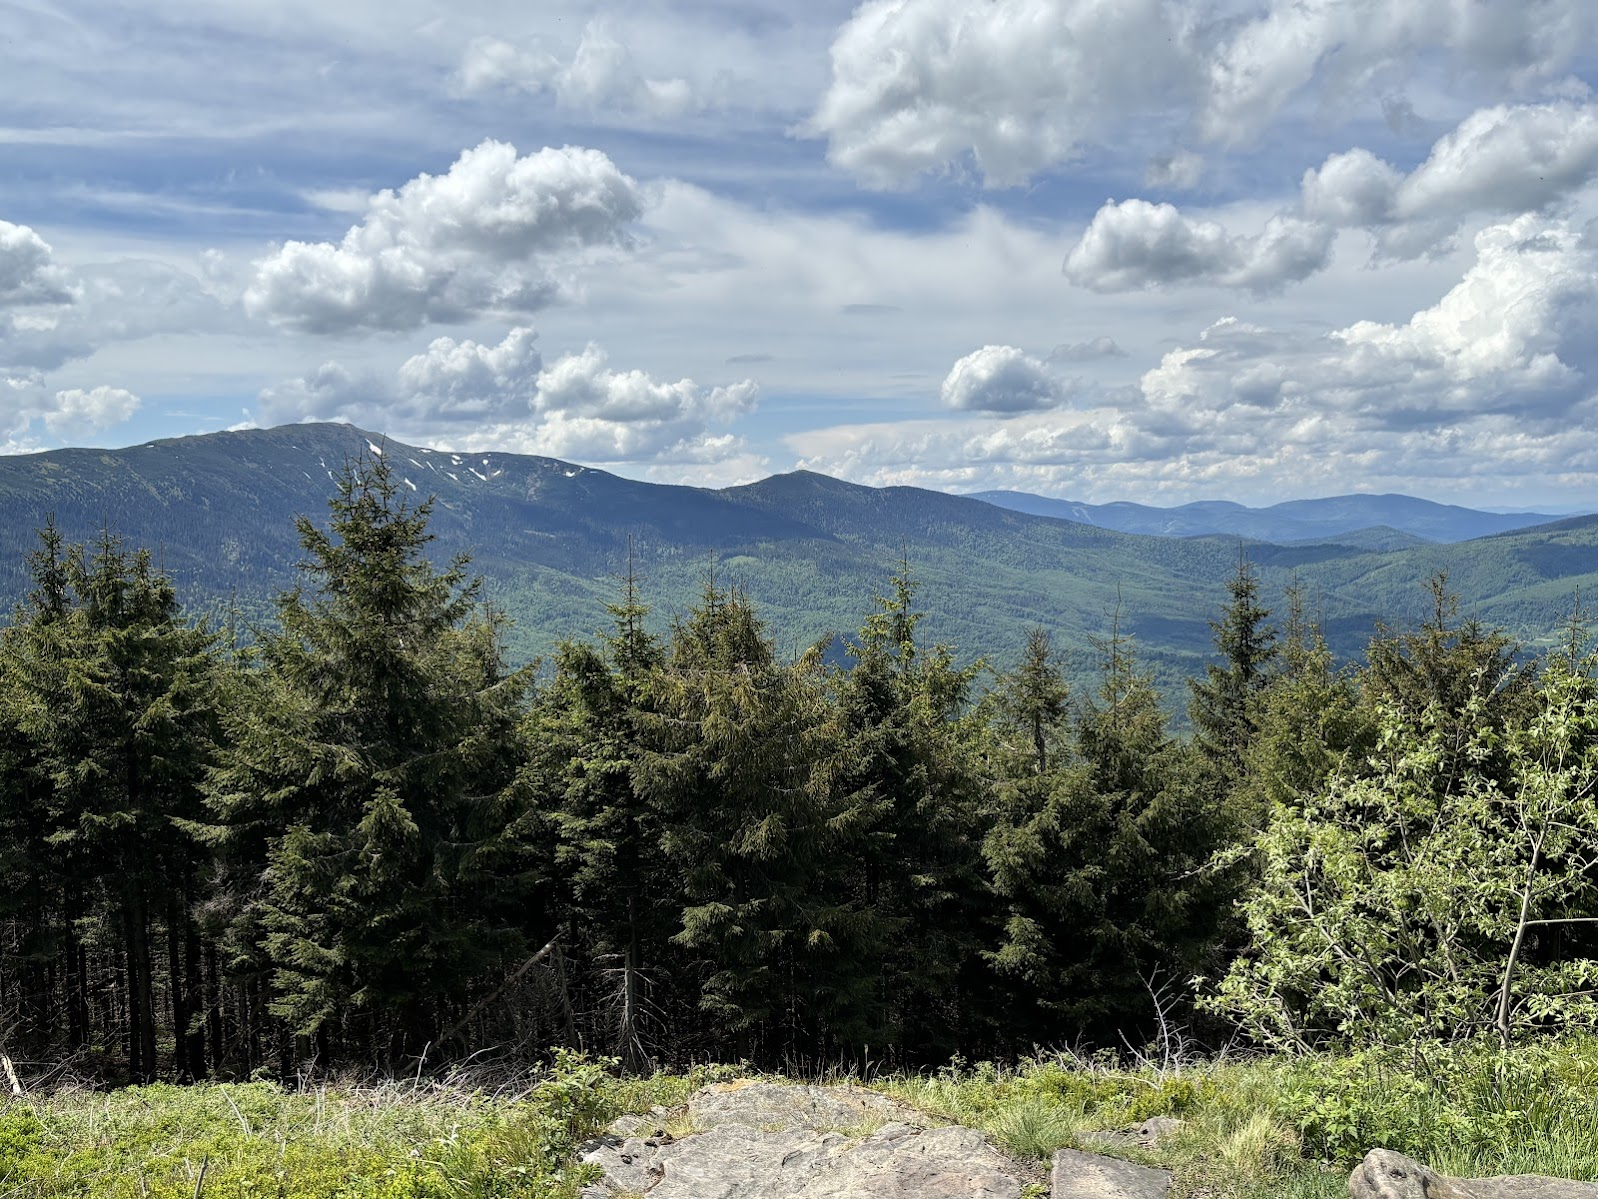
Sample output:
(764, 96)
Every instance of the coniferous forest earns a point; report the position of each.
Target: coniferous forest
(357, 837)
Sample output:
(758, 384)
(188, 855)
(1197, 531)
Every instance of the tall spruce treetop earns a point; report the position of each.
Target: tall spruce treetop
(369, 777)
(1222, 706)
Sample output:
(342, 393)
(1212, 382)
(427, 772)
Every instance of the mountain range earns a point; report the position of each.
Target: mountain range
(1368, 521)
(551, 538)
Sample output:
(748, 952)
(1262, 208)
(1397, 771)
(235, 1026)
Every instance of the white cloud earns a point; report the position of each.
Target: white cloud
(77, 412)
(25, 403)
(117, 302)
(1351, 47)
(1500, 160)
(27, 273)
(1001, 379)
(1178, 168)
(1493, 385)
(1514, 338)
(600, 73)
(450, 247)
(1087, 351)
(917, 85)
(1136, 244)
(503, 397)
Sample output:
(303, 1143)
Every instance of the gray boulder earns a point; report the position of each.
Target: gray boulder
(1079, 1175)
(1388, 1175)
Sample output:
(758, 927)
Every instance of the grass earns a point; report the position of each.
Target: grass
(1252, 1128)
(1294, 1127)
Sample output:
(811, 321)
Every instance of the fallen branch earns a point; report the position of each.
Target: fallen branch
(12, 1080)
(515, 977)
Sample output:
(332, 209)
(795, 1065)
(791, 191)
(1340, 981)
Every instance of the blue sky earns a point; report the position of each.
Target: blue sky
(1100, 249)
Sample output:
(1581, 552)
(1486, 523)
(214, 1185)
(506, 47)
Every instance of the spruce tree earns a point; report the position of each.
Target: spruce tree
(731, 742)
(902, 766)
(1222, 706)
(366, 785)
(1100, 861)
(584, 736)
(115, 699)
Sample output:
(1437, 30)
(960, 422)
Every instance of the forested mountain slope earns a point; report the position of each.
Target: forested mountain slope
(551, 538)
(1335, 517)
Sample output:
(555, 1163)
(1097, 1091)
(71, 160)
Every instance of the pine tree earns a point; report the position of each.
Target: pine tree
(1309, 722)
(368, 783)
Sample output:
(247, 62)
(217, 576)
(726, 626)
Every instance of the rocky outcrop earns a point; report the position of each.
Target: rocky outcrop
(1388, 1175)
(769, 1141)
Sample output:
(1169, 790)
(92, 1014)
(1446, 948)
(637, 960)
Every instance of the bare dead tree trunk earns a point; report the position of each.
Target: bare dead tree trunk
(1502, 1020)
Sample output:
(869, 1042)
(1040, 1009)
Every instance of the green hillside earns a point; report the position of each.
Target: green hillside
(551, 539)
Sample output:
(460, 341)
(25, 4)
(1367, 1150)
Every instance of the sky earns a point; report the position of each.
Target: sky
(1150, 250)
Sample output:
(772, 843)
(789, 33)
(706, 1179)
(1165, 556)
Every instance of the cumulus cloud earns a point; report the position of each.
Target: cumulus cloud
(1493, 383)
(1001, 379)
(600, 73)
(450, 247)
(1514, 338)
(1500, 160)
(1136, 244)
(76, 412)
(919, 85)
(26, 403)
(1504, 45)
(504, 397)
(28, 275)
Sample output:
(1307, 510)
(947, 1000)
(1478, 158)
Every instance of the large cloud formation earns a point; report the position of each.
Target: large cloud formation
(1495, 384)
(1500, 161)
(920, 85)
(451, 247)
(505, 397)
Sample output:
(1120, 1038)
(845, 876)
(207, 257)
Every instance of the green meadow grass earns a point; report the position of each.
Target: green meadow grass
(1252, 1127)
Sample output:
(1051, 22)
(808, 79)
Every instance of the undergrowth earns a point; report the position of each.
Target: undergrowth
(1251, 1128)
(411, 1140)
(1294, 1126)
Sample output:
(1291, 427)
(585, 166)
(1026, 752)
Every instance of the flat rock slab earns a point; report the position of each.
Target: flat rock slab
(768, 1141)
(1143, 1136)
(1388, 1175)
(1079, 1175)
